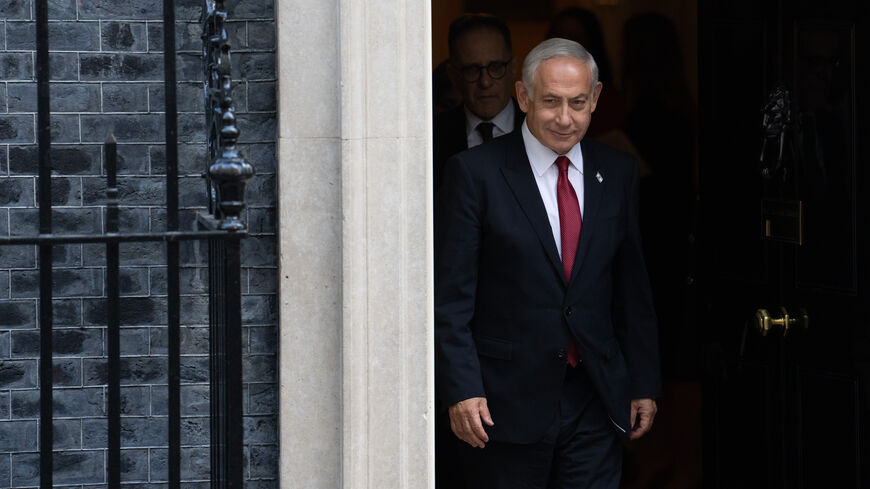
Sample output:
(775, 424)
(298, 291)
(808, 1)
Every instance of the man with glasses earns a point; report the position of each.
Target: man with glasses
(482, 69)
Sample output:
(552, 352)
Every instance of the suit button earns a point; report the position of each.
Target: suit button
(561, 354)
(569, 311)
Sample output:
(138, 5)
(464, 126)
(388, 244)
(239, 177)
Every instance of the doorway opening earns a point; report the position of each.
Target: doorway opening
(647, 54)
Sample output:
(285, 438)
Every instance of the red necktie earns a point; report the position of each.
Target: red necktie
(570, 222)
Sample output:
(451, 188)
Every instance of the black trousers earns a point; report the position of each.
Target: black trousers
(581, 449)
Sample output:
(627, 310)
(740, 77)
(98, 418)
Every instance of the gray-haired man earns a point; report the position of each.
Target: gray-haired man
(546, 341)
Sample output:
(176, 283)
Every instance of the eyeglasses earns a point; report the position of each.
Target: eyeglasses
(496, 70)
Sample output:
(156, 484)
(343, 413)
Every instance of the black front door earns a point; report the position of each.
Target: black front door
(785, 243)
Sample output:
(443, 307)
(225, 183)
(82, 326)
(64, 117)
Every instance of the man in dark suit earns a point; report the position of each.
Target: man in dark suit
(546, 341)
(482, 69)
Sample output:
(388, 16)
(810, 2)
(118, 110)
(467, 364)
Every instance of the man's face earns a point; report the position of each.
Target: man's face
(559, 110)
(486, 96)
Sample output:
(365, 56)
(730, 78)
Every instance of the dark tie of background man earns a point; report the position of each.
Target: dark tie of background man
(570, 222)
(485, 130)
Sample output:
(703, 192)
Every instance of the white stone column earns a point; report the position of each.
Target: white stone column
(309, 202)
(355, 242)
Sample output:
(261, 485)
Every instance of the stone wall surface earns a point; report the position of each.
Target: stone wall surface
(107, 70)
(355, 182)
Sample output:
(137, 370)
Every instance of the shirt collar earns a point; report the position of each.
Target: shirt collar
(542, 157)
(504, 120)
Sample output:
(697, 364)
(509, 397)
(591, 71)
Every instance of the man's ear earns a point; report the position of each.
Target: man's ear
(522, 96)
(596, 92)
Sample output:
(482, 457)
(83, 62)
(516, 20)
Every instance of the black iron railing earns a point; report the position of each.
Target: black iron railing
(221, 227)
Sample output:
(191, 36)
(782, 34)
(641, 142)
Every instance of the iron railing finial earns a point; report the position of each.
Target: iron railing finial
(228, 170)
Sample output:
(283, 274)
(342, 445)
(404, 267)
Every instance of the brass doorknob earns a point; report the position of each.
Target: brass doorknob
(766, 323)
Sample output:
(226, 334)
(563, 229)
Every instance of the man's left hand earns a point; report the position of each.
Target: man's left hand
(642, 413)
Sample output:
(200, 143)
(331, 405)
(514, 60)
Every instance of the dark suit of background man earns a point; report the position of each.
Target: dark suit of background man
(482, 70)
(546, 343)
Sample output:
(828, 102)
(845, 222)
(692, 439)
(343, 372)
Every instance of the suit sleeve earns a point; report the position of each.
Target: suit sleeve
(457, 247)
(634, 317)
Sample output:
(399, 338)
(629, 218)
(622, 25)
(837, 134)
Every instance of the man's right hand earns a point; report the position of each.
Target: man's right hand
(465, 421)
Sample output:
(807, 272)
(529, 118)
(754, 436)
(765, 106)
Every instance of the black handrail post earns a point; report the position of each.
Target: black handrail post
(113, 312)
(225, 319)
(43, 124)
(225, 182)
(235, 435)
(232, 367)
(172, 255)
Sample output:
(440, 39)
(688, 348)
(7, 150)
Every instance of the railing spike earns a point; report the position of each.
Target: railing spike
(228, 170)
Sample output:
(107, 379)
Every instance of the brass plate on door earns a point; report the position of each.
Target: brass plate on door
(783, 220)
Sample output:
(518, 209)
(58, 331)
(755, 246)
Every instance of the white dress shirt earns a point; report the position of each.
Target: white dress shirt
(546, 173)
(503, 123)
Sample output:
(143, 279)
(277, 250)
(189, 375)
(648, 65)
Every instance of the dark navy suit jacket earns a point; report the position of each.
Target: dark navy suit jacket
(504, 313)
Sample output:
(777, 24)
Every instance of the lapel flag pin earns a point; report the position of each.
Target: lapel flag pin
(599, 177)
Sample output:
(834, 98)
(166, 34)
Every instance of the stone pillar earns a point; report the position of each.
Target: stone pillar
(355, 244)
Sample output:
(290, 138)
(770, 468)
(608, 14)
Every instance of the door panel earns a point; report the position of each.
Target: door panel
(828, 417)
(745, 408)
(734, 227)
(788, 408)
(824, 91)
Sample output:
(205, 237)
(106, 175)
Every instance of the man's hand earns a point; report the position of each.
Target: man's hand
(465, 421)
(642, 413)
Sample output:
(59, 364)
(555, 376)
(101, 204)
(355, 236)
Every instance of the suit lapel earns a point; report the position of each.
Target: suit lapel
(592, 192)
(518, 173)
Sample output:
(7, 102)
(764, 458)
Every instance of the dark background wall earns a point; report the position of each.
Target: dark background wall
(529, 21)
(107, 72)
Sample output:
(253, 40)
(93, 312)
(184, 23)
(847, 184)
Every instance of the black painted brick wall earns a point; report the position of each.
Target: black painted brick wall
(107, 71)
